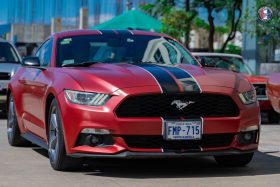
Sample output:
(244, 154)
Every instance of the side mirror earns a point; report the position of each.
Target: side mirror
(206, 63)
(31, 62)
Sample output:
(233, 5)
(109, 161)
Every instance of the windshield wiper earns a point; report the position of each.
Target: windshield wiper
(82, 64)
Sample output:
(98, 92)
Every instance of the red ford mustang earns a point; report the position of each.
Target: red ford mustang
(273, 87)
(129, 94)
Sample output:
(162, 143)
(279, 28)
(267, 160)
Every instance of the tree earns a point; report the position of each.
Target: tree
(211, 6)
(177, 23)
(270, 30)
(236, 8)
(159, 8)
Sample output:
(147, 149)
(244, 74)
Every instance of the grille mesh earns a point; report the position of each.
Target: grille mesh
(5, 76)
(160, 105)
(207, 141)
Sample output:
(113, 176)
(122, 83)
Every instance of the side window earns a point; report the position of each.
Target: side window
(45, 53)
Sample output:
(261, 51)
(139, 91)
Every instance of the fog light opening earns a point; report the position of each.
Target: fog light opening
(248, 136)
(94, 139)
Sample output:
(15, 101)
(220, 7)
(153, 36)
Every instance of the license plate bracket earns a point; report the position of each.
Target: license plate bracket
(183, 129)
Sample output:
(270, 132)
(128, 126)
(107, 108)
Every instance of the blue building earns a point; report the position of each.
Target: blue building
(30, 21)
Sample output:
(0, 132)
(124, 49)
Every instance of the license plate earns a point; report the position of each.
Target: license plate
(183, 130)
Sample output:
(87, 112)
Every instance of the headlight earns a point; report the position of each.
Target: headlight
(248, 97)
(86, 98)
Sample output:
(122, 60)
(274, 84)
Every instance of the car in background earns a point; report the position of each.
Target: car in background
(235, 63)
(129, 94)
(9, 64)
(273, 90)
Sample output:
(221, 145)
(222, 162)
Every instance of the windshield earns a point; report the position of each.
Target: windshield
(229, 63)
(121, 49)
(7, 53)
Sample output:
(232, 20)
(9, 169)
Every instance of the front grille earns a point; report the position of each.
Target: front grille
(5, 76)
(261, 91)
(207, 141)
(160, 105)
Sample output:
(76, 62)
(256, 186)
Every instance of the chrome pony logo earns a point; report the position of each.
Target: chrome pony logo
(181, 104)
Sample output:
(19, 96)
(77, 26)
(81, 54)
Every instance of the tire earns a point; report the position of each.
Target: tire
(56, 145)
(234, 160)
(13, 132)
(273, 117)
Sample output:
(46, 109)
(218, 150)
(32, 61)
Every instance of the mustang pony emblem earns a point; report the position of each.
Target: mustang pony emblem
(181, 104)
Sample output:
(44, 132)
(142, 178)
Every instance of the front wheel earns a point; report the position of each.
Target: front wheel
(56, 146)
(234, 160)
(13, 132)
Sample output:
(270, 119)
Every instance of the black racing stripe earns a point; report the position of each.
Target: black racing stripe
(184, 78)
(165, 80)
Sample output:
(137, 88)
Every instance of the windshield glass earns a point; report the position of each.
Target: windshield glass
(7, 53)
(121, 49)
(229, 63)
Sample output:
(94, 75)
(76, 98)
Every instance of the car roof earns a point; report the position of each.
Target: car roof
(216, 54)
(100, 32)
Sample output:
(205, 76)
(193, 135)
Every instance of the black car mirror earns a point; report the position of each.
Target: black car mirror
(206, 63)
(31, 62)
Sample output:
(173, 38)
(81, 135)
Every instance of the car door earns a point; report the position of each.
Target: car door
(35, 82)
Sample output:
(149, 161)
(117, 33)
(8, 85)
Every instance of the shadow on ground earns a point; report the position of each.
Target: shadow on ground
(262, 164)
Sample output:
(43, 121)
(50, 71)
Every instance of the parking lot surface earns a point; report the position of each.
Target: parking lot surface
(29, 166)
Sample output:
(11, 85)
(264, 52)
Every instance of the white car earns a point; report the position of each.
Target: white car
(9, 63)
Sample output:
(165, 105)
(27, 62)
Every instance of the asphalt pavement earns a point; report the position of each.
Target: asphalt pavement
(29, 166)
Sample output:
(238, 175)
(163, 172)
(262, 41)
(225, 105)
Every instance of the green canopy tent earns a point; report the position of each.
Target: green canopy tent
(133, 19)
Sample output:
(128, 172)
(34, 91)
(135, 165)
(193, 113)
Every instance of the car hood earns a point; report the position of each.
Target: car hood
(111, 77)
(9, 67)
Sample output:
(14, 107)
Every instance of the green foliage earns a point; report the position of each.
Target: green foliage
(269, 30)
(159, 8)
(200, 23)
(266, 31)
(176, 22)
(233, 49)
(216, 5)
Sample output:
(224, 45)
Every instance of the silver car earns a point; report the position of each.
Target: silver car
(9, 63)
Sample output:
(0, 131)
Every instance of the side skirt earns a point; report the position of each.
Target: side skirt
(34, 139)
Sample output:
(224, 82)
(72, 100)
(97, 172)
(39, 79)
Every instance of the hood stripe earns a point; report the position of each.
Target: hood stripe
(184, 78)
(166, 82)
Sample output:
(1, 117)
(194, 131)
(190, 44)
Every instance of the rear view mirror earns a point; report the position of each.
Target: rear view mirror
(31, 62)
(206, 63)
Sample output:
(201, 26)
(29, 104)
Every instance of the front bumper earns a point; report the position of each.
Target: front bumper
(132, 155)
(76, 117)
